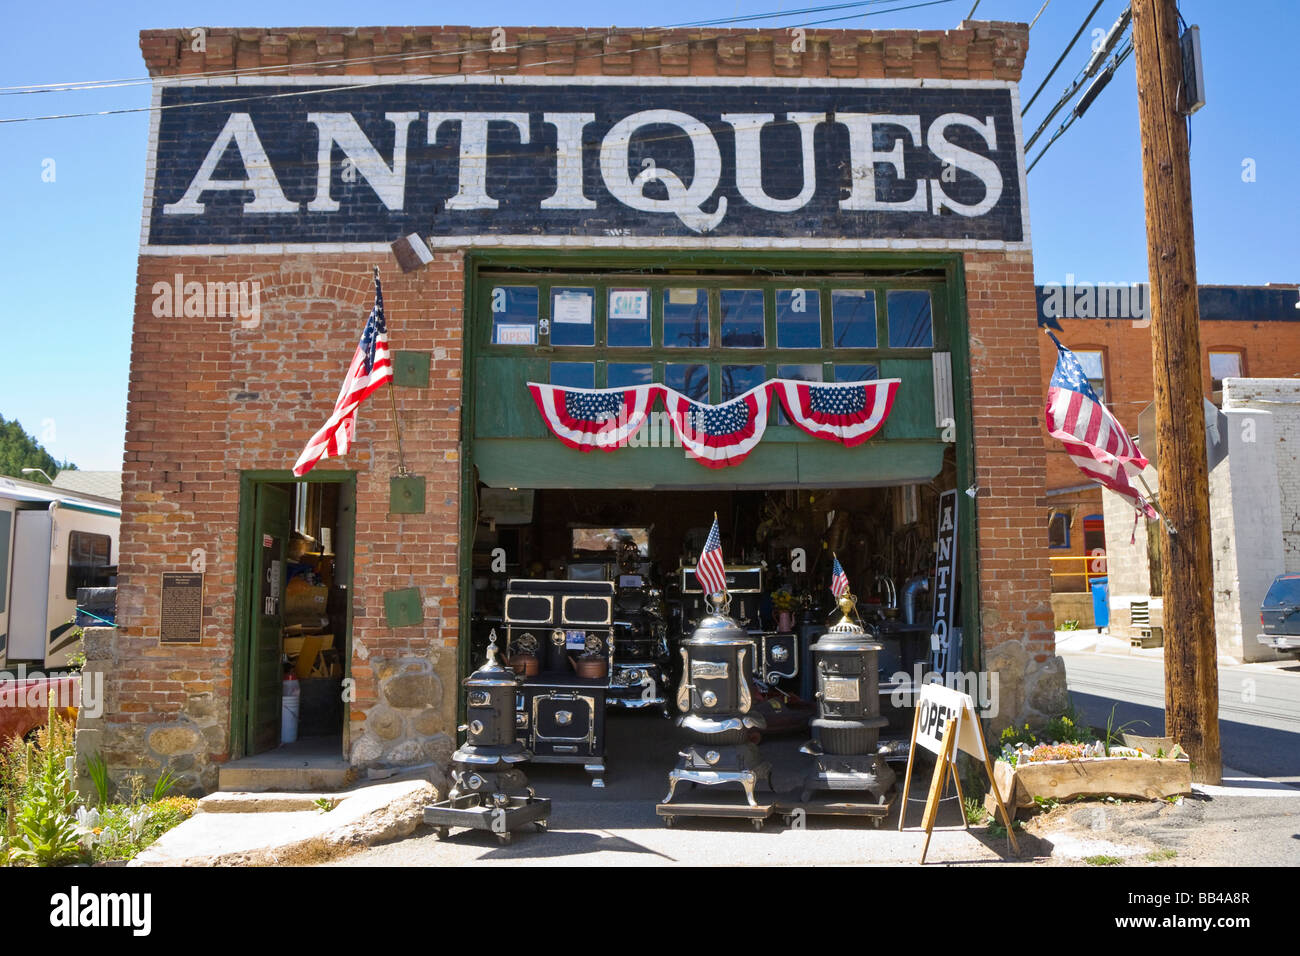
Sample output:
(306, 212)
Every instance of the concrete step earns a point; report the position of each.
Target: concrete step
(224, 801)
(312, 776)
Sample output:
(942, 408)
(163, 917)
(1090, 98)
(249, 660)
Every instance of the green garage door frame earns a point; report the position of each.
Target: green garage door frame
(883, 457)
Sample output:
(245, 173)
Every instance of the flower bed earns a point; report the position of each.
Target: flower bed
(1123, 774)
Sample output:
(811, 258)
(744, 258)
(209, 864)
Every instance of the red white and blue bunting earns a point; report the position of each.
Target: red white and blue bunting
(848, 412)
(587, 418)
(717, 436)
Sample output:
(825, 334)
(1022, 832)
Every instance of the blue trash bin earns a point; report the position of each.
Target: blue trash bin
(1100, 602)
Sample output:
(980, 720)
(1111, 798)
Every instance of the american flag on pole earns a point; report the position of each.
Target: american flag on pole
(839, 580)
(371, 367)
(710, 571)
(1094, 440)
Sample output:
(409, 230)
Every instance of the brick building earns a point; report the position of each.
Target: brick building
(542, 174)
(1246, 331)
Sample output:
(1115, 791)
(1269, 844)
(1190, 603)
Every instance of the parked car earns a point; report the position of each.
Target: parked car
(1279, 615)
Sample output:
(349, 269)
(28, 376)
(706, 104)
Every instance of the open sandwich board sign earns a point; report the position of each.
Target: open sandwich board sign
(945, 722)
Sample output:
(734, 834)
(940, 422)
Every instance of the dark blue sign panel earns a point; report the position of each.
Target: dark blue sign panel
(708, 162)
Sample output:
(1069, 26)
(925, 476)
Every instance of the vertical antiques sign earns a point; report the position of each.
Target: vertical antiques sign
(942, 645)
(363, 161)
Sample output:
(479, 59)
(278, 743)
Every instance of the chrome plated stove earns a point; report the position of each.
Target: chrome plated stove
(716, 704)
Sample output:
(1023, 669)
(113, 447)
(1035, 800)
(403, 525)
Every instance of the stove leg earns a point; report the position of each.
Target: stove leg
(672, 788)
(748, 784)
(597, 771)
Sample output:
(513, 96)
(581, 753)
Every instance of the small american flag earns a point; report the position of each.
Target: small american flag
(1094, 440)
(710, 572)
(839, 580)
(371, 367)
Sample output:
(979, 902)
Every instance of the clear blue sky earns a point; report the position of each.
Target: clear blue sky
(68, 247)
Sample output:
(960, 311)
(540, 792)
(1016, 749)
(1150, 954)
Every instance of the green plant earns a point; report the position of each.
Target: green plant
(45, 832)
(166, 780)
(1102, 860)
(1047, 803)
(1068, 728)
(323, 804)
(999, 830)
(1167, 853)
(98, 771)
(1070, 625)
(77, 659)
(126, 830)
(974, 810)
(1113, 733)
(134, 788)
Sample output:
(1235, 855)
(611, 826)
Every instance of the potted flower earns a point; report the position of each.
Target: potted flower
(783, 604)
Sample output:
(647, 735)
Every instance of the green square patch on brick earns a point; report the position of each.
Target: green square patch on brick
(411, 369)
(403, 607)
(406, 495)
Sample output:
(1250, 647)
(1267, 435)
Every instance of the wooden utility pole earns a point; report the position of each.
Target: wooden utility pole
(1191, 658)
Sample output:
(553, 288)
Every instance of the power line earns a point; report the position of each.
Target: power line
(78, 85)
(1091, 94)
(1039, 13)
(1111, 40)
(1064, 53)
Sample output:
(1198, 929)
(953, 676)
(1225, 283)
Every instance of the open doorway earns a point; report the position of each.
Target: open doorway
(293, 620)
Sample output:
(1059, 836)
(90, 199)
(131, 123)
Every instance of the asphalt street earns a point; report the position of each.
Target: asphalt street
(1259, 706)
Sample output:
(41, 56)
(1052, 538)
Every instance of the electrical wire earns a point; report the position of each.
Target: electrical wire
(1085, 101)
(410, 81)
(79, 85)
(1039, 13)
(1064, 53)
(1111, 40)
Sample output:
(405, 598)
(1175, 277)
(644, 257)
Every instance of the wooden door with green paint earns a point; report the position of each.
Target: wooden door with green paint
(273, 509)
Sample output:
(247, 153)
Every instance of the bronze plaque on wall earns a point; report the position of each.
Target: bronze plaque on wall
(182, 608)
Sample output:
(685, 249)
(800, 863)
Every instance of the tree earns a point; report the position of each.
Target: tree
(19, 450)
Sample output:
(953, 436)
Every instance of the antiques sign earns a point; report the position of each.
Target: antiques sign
(361, 162)
(945, 586)
(182, 608)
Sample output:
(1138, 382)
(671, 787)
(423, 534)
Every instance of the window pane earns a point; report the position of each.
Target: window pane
(742, 318)
(1091, 364)
(514, 315)
(800, 373)
(572, 317)
(574, 374)
(853, 316)
(689, 379)
(910, 325)
(856, 373)
(629, 318)
(628, 375)
(1094, 370)
(87, 554)
(1058, 531)
(1225, 365)
(798, 319)
(686, 318)
(739, 379)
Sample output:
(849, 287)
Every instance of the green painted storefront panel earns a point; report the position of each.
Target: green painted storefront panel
(913, 412)
(502, 406)
(545, 463)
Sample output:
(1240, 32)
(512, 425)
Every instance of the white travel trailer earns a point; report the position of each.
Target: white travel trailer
(52, 541)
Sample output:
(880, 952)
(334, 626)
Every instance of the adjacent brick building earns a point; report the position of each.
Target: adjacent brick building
(1246, 331)
(281, 191)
